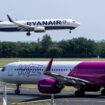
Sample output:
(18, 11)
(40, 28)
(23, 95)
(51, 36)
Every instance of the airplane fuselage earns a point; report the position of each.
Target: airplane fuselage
(32, 72)
(47, 24)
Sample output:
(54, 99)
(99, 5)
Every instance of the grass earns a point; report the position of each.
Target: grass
(31, 86)
(34, 86)
(4, 61)
(34, 103)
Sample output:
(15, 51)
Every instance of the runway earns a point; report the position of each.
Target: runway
(65, 98)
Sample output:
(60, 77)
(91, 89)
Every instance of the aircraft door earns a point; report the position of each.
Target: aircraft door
(11, 71)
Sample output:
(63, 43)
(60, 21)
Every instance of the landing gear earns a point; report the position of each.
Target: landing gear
(103, 92)
(79, 93)
(80, 90)
(28, 33)
(17, 91)
(70, 31)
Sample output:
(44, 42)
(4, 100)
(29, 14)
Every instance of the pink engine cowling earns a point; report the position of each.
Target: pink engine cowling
(50, 86)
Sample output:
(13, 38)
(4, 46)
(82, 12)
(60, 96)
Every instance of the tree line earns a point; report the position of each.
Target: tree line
(76, 47)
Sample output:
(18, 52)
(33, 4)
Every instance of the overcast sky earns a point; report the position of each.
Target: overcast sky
(90, 13)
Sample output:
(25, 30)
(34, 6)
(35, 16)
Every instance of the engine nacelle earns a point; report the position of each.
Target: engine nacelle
(50, 86)
(39, 29)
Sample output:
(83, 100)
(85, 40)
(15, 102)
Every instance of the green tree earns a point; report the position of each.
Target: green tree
(46, 43)
(55, 51)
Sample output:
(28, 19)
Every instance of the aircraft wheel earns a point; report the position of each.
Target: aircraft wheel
(103, 92)
(28, 33)
(79, 93)
(17, 91)
(70, 31)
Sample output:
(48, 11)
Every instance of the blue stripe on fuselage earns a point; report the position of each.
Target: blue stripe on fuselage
(46, 28)
(9, 29)
(58, 27)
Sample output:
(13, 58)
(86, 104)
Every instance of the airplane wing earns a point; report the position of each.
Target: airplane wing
(65, 79)
(21, 26)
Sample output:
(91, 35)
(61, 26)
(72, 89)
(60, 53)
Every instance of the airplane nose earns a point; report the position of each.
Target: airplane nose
(77, 24)
(2, 73)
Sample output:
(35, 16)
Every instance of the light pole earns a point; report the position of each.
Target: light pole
(4, 95)
(52, 99)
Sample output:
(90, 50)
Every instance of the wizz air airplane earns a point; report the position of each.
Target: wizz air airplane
(37, 25)
(51, 77)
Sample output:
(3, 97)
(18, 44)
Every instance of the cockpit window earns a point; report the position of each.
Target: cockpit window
(3, 69)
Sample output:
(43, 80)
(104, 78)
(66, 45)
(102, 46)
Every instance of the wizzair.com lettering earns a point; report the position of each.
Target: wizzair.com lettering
(29, 70)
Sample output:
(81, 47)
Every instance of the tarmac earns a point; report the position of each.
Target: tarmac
(64, 98)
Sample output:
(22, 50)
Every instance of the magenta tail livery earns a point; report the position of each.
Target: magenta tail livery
(52, 76)
(37, 25)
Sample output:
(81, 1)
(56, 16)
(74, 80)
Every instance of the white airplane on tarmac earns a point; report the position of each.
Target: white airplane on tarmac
(37, 25)
(51, 77)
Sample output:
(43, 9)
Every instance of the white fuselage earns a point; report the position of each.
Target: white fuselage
(40, 25)
(32, 72)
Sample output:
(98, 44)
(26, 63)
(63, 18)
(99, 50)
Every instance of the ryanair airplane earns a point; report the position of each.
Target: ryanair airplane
(37, 25)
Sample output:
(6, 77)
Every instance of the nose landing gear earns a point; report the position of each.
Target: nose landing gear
(17, 91)
(70, 31)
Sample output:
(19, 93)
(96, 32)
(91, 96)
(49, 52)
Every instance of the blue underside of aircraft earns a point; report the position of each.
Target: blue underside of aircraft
(46, 28)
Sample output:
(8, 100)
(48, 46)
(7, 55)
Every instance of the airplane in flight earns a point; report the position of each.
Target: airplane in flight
(37, 25)
(52, 76)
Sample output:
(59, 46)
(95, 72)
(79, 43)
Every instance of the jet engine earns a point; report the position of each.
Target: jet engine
(50, 86)
(39, 29)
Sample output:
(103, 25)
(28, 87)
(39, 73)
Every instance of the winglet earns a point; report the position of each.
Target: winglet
(47, 70)
(9, 18)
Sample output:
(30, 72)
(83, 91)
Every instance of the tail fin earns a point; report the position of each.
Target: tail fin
(10, 19)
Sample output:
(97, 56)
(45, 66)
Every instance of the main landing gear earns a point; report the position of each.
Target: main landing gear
(17, 91)
(28, 33)
(103, 92)
(79, 93)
